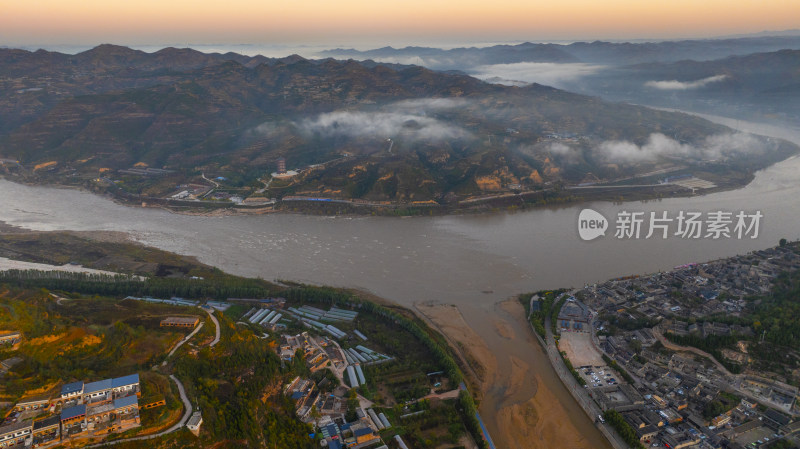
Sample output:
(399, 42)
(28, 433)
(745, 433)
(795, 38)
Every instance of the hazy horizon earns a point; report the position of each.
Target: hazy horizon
(311, 49)
(361, 24)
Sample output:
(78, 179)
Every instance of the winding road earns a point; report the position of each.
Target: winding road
(216, 324)
(180, 343)
(187, 405)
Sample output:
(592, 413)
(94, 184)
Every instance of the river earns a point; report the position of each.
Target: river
(472, 261)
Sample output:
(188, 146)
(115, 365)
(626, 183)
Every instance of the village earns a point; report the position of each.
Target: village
(330, 397)
(79, 412)
(613, 337)
(82, 410)
(344, 395)
(356, 373)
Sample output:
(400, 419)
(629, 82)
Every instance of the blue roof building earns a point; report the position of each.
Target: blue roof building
(125, 381)
(127, 401)
(97, 387)
(361, 432)
(72, 389)
(69, 413)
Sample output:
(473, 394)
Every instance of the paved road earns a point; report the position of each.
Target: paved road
(731, 382)
(580, 394)
(669, 345)
(186, 415)
(59, 299)
(216, 323)
(188, 337)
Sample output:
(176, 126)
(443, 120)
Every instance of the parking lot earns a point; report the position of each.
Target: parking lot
(757, 437)
(598, 376)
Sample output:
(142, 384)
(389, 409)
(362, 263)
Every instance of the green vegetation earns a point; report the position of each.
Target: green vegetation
(781, 444)
(549, 310)
(81, 339)
(469, 414)
(777, 315)
(157, 386)
(572, 369)
(405, 378)
(230, 382)
(712, 344)
(237, 384)
(619, 323)
(723, 403)
(554, 314)
(622, 372)
(615, 420)
(438, 423)
(775, 320)
(221, 287)
(537, 317)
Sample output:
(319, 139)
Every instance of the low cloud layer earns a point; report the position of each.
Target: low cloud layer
(407, 119)
(564, 153)
(381, 124)
(549, 74)
(685, 85)
(660, 146)
(424, 105)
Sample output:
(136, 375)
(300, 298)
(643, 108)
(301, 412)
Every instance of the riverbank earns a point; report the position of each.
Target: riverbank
(579, 393)
(527, 413)
(489, 203)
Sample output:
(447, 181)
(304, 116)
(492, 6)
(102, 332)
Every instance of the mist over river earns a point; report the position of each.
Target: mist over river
(472, 261)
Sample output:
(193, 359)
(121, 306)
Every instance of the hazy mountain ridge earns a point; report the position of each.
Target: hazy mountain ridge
(754, 85)
(752, 77)
(597, 52)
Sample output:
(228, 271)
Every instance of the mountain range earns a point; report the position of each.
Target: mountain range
(759, 87)
(597, 52)
(352, 129)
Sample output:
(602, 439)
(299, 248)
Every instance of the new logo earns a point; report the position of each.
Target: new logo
(591, 224)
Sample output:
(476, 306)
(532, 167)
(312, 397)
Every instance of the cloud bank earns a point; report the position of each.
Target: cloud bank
(685, 85)
(381, 124)
(423, 105)
(564, 153)
(660, 146)
(547, 73)
(407, 119)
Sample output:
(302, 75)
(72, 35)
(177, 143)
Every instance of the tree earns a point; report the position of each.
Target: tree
(352, 405)
(782, 242)
(299, 363)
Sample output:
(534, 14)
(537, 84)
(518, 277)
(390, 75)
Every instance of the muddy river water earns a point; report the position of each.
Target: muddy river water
(474, 262)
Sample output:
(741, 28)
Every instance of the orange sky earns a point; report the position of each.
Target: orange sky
(381, 21)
